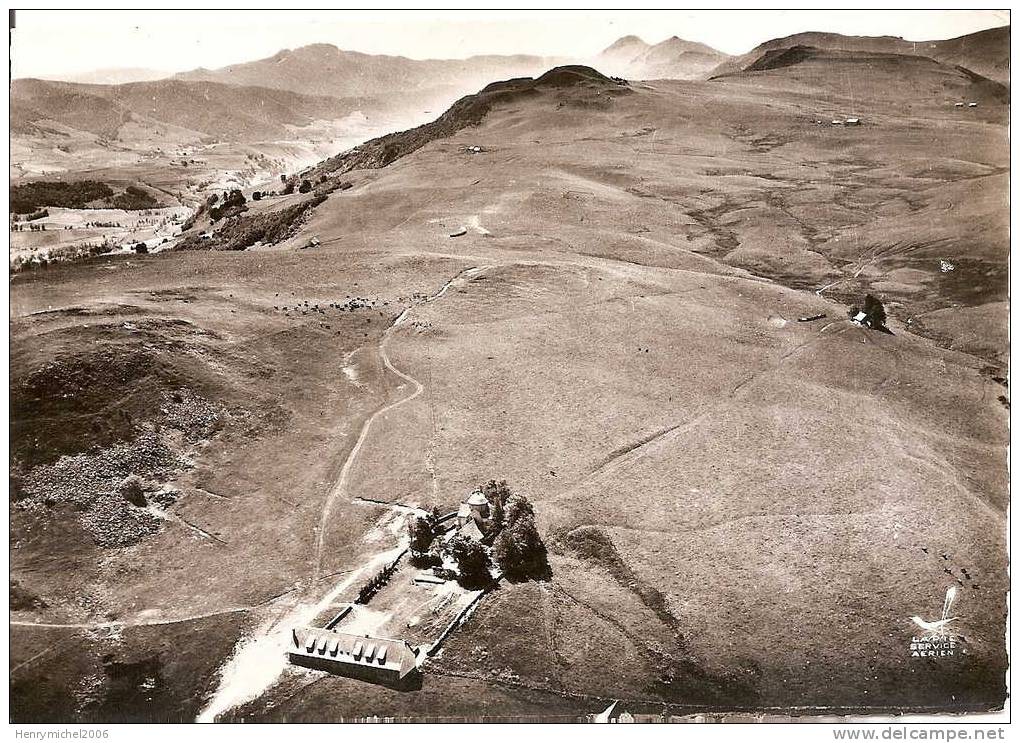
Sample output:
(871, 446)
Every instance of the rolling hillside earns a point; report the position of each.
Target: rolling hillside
(221, 112)
(751, 523)
(868, 77)
(984, 52)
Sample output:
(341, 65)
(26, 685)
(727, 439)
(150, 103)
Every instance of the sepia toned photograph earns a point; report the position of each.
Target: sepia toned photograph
(509, 366)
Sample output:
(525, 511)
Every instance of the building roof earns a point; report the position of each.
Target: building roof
(342, 648)
(471, 531)
(477, 499)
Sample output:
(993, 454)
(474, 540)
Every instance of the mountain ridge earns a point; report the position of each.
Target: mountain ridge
(674, 57)
(343, 73)
(984, 52)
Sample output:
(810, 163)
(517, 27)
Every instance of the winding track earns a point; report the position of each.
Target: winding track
(339, 489)
(259, 659)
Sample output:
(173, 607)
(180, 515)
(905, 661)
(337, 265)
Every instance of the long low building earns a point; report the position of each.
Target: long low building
(358, 656)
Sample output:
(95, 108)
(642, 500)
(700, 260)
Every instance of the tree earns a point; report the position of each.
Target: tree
(232, 205)
(390, 153)
(305, 187)
(472, 562)
(518, 547)
(141, 248)
(256, 196)
(288, 188)
(496, 493)
(517, 506)
(875, 311)
(520, 552)
(422, 530)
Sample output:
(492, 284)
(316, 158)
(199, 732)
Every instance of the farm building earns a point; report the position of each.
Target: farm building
(474, 508)
(471, 530)
(368, 658)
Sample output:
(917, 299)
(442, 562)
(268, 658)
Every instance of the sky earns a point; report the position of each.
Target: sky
(55, 43)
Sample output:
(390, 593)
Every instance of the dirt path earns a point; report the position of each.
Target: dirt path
(260, 659)
(135, 623)
(339, 489)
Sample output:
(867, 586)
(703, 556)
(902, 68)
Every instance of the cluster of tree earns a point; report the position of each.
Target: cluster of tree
(874, 314)
(244, 231)
(18, 227)
(423, 531)
(518, 547)
(473, 562)
(371, 588)
(62, 254)
(290, 184)
(29, 217)
(28, 197)
(874, 309)
(233, 204)
(472, 558)
(134, 199)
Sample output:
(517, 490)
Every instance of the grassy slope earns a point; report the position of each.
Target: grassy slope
(741, 477)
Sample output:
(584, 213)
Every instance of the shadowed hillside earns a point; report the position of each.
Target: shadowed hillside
(577, 85)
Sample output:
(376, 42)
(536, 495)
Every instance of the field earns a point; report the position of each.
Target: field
(743, 511)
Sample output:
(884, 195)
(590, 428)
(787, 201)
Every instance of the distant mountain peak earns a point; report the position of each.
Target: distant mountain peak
(675, 44)
(677, 58)
(319, 49)
(628, 43)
